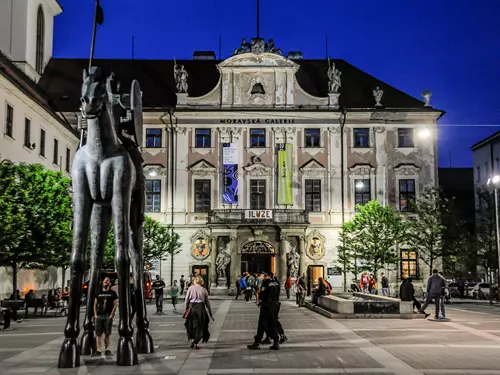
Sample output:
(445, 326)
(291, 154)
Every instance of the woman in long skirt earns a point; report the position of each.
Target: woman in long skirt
(198, 311)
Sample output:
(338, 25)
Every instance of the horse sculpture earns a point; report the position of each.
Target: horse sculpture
(108, 182)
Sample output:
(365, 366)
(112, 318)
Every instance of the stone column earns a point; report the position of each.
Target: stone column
(302, 253)
(282, 260)
(213, 261)
(235, 265)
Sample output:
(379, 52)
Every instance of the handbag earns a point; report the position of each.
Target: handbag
(187, 312)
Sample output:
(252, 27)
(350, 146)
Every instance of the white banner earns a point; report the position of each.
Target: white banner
(230, 154)
(259, 214)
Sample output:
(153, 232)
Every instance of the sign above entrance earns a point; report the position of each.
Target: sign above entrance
(259, 214)
(230, 121)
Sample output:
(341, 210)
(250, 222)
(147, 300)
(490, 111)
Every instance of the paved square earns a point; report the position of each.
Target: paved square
(467, 345)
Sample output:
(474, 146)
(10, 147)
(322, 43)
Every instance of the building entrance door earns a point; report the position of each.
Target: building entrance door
(258, 256)
(203, 272)
(313, 274)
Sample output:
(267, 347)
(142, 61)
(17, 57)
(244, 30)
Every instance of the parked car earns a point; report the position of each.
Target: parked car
(469, 289)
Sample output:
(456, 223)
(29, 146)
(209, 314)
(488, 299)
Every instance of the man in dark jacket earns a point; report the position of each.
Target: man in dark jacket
(407, 293)
(435, 286)
(268, 300)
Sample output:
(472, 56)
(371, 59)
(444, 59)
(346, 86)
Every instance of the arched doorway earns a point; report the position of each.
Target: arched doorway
(258, 256)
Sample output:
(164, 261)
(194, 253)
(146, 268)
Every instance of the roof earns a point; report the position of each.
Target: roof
(62, 79)
(485, 141)
(25, 84)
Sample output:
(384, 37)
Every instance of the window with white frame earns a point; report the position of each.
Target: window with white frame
(361, 137)
(202, 138)
(313, 195)
(257, 138)
(258, 194)
(406, 195)
(362, 191)
(202, 195)
(405, 137)
(153, 195)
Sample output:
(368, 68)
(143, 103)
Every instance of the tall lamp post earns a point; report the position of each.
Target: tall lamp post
(495, 183)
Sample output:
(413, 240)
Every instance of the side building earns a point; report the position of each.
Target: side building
(256, 160)
(31, 129)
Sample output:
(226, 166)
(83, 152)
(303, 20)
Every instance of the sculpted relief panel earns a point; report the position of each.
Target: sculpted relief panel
(255, 88)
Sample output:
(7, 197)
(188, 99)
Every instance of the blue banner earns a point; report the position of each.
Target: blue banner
(230, 176)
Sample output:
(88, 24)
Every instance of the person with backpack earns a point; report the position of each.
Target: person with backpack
(243, 285)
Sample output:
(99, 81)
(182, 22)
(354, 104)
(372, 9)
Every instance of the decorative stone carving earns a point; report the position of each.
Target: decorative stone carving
(202, 169)
(283, 237)
(361, 170)
(235, 131)
(155, 170)
(379, 129)
(180, 77)
(258, 247)
(258, 46)
(313, 169)
(427, 98)
(181, 129)
(334, 129)
(378, 93)
(223, 261)
(315, 245)
(333, 100)
(257, 168)
(233, 237)
(334, 81)
(201, 245)
(388, 117)
(406, 170)
(270, 47)
(293, 259)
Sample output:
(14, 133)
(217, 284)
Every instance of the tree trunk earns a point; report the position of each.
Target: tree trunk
(14, 278)
(63, 277)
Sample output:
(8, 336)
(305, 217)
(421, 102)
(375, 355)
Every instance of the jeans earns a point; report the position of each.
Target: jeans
(428, 300)
(287, 293)
(248, 294)
(159, 302)
(385, 292)
(441, 306)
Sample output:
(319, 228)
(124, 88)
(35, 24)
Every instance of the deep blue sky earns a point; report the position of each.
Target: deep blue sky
(451, 47)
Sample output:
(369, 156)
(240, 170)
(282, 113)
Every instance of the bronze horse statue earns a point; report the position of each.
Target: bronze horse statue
(108, 182)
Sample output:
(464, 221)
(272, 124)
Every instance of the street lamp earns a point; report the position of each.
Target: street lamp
(424, 133)
(152, 173)
(359, 184)
(495, 182)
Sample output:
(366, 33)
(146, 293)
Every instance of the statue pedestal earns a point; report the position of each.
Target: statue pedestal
(182, 98)
(333, 101)
(222, 282)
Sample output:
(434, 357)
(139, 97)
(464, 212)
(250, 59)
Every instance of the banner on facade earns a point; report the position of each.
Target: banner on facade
(230, 176)
(285, 168)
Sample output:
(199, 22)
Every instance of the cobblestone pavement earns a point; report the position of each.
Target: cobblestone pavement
(468, 344)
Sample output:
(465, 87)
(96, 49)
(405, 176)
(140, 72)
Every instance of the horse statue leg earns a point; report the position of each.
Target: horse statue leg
(126, 354)
(69, 356)
(99, 229)
(143, 340)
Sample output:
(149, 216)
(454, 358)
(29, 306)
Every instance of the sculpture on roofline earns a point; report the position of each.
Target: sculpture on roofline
(180, 77)
(427, 98)
(377, 95)
(334, 80)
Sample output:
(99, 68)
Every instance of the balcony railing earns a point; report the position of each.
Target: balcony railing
(258, 217)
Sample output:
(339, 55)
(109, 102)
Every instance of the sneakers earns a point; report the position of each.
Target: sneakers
(266, 341)
(275, 346)
(7, 329)
(108, 353)
(254, 346)
(283, 339)
(96, 354)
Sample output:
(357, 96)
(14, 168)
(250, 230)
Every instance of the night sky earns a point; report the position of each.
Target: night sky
(451, 47)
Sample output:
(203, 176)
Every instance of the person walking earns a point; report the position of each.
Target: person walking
(243, 285)
(105, 305)
(182, 283)
(258, 286)
(238, 286)
(268, 298)
(250, 287)
(158, 286)
(385, 285)
(174, 293)
(302, 290)
(197, 314)
(435, 285)
(442, 301)
(288, 286)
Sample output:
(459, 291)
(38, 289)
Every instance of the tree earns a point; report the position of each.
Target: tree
(485, 246)
(372, 238)
(428, 229)
(158, 243)
(348, 251)
(35, 215)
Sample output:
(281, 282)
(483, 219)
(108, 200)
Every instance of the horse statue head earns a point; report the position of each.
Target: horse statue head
(93, 93)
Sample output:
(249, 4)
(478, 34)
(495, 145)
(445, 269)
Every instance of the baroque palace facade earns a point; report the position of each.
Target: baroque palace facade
(257, 159)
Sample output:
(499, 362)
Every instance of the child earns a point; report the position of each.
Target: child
(174, 293)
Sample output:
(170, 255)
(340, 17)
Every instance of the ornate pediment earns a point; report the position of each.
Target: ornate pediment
(406, 170)
(202, 168)
(362, 170)
(313, 168)
(258, 170)
(261, 60)
(155, 170)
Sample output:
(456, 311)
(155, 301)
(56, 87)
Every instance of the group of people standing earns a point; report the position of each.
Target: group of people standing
(368, 284)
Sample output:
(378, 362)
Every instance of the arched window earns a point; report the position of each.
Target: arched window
(40, 39)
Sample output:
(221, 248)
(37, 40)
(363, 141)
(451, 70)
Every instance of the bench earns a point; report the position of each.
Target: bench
(35, 303)
(14, 305)
(59, 310)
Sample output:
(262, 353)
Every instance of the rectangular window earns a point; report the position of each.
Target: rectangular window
(257, 138)
(362, 193)
(42, 142)
(68, 158)
(153, 138)
(257, 194)
(406, 195)
(9, 121)
(313, 196)
(312, 137)
(405, 137)
(202, 195)
(202, 138)
(409, 264)
(56, 152)
(361, 137)
(27, 132)
(153, 195)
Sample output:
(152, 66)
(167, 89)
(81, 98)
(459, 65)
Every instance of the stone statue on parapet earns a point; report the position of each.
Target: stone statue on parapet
(222, 261)
(270, 47)
(245, 47)
(334, 80)
(180, 77)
